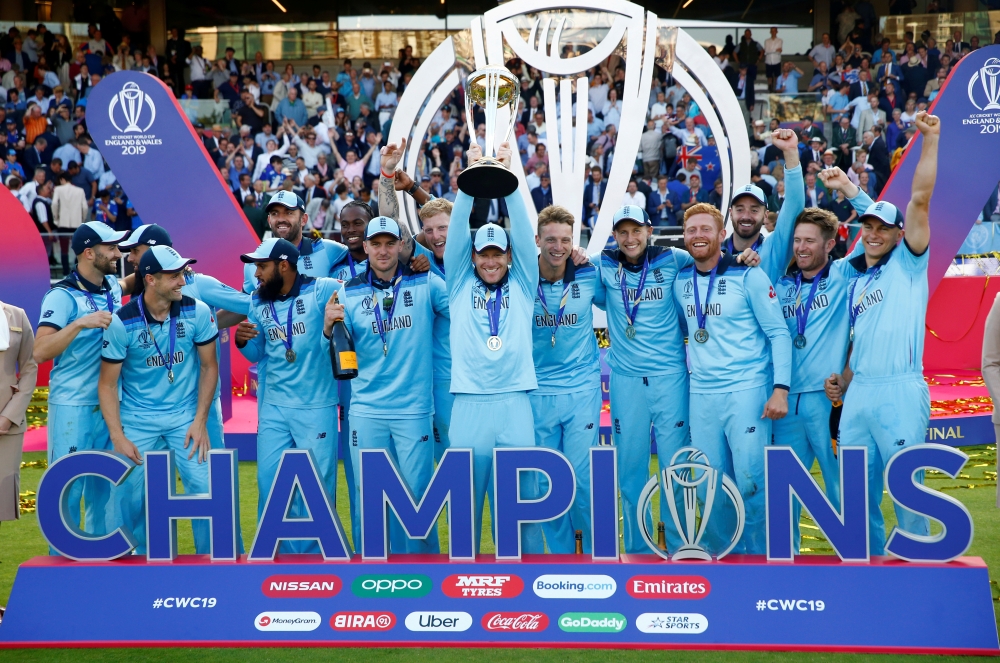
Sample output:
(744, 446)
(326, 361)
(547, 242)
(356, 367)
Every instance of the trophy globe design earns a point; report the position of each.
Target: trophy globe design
(492, 88)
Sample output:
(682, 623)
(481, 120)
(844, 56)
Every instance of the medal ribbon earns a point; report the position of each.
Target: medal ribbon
(802, 314)
(853, 310)
(562, 305)
(631, 313)
(702, 314)
(397, 281)
(168, 361)
(90, 297)
(350, 264)
(493, 306)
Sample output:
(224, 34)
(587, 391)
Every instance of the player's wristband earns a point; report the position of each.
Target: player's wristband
(782, 386)
(413, 189)
(386, 175)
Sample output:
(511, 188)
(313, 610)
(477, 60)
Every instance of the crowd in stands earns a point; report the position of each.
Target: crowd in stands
(317, 130)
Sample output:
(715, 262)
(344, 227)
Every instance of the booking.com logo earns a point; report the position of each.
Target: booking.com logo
(574, 586)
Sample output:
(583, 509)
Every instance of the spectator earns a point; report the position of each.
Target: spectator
(633, 196)
(650, 145)
(772, 58)
(749, 54)
(695, 193)
(70, 210)
(663, 204)
(788, 81)
(292, 108)
(593, 196)
(542, 194)
(823, 52)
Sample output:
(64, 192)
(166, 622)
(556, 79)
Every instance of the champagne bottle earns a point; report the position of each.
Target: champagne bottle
(661, 536)
(579, 542)
(342, 354)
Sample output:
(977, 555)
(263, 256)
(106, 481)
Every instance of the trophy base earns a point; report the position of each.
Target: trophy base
(690, 552)
(487, 178)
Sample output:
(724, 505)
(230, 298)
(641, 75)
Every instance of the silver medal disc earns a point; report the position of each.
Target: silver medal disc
(170, 377)
(701, 335)
(290, 355)
(800, 341)
(630, 331)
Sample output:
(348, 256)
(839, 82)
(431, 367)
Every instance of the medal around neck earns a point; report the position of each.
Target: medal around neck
(494, 343)
(492, 88)
(800, 341)
(701, 335)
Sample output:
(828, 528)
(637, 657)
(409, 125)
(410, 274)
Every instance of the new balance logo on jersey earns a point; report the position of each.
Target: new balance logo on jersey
(321, 436)
(751, 429)
(425, 438)
(104, 344)
(679, 424)
(407, 298)
(589, 426)
(48, 314)
(300, 307)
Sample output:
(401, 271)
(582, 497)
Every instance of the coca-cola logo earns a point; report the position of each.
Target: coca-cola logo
(515, 621)
(468, 586)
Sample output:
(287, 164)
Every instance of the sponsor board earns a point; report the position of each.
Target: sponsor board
(580, 586)
(593, 622)
(465, 586)
(394, 586)
(515, 621)
(671, 622)
(438, 621)
(287, 621)
(362, 621)
(301, 586)
(668, 587)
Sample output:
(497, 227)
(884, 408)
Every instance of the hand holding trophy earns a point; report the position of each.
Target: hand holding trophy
(492, 88)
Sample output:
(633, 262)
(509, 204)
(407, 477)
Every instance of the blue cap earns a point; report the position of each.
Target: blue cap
(273, 249)
(162, 259)
(750, 190)
(149, 234)
(631, 213)
(93, 233)
(885, 212)
(491, 236)
(382, 225)
(286, 199)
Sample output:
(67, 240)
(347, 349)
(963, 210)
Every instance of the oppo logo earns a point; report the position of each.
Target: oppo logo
(439, 621)
(362, 621)
(668, 587)
(301, 586)
(396, 586)
(482, 586)
(515, 621)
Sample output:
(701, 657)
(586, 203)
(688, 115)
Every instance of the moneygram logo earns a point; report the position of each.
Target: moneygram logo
(515, 621)
(593, 622)
(395, 586)
(482, 586)
(668, 587)
(574, 586)
(362, 621)
(439, 621)
(287, 621)
(671, 622)
(301, 586)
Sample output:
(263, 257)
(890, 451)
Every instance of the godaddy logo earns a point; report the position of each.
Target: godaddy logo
(593, 622)
(397, 586)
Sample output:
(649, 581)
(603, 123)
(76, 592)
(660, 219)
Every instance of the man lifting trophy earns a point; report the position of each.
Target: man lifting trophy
(492, 88)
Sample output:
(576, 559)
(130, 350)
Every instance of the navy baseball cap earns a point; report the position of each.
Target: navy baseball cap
(491, 236)
(382, 225)
(93, 233)
(885, 212)
(162, 259)
(149, 234)
(632, 213)
(286, 199)
(273, 249)
(751, 190)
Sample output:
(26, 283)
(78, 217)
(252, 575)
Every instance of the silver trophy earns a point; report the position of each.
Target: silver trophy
(492, 88)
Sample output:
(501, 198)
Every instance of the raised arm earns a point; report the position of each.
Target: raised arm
(458, 249)
(918, 226)
(388, 202)
(217, 294)
(777, 250)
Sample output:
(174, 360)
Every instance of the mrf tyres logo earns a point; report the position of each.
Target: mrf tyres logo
(554, 586)
(362, 621)
(132, 113)
(301, 586)
(668, 587)
(287, 621)
(462, 586)
(391, 586)
(593, 622)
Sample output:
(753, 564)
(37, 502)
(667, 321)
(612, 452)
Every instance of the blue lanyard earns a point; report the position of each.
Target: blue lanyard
(702, 314)
(493, 307)
(350, 264)
(90, 297)
(439, 264)
(383, 328)
(631, 313)
(288, 323)
(168, 361)
(562, 306)
(850, 299)
(802, 314)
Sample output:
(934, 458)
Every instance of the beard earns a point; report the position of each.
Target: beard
(270, 290)
(104, 264)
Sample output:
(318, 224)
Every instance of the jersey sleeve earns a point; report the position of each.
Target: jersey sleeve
(458, 248)
(767, 310)
(860, 202)
(218, 295)
(254, 349)
(58, 309)
(115, 343)
(439, 295)
(205, 328)
(522, 239)
(600, 291)
(777, 250)
(910, 261)
(335, 252)
(682, 259)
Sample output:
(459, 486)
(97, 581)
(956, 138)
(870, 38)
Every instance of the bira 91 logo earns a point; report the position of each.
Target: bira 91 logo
(515, 621)
(668, 587)
(301, 586)
(482, 586)
(362, 621)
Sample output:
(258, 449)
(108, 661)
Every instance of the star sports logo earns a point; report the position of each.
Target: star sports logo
(482, 586)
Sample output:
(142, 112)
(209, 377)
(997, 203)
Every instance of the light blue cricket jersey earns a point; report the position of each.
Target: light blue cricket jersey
(743, 317)
(308, 381)
(658, 346)
(347, 268)
(218, 296)
(442, 324)
(476, 369)
(572, 364)
(394, 384)
(132, 341)
(75, 372)
(317, 258)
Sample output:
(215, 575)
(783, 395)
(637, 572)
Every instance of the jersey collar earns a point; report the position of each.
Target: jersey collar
(629, 267)
(306, 247)
(725, 262)
(175, 311)
(859, 263)
(88, 286)
(793, 269)
(386, 285)
(568, 277)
